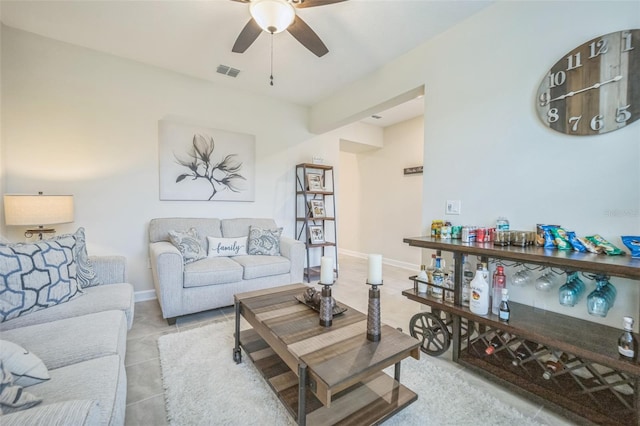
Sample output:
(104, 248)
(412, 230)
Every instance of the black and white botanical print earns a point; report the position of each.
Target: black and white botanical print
(205, 164)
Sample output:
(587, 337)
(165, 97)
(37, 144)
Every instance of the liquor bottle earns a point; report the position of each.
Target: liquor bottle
(431, 268)
(627, 343)
(479, 301)
(438, 279)
(497, 341)
(467, 276)
(499, 282)
(422, 283)
(554, 364)
(449, 283)
(504, 313)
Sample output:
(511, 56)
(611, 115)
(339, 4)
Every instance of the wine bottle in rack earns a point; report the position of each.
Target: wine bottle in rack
(526, 351)
(498, 339)
(554, 364)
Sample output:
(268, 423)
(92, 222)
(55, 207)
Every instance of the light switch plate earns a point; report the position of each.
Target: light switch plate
(453, 207)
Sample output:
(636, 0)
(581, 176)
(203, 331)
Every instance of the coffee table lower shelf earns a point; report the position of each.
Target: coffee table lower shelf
(369, 402)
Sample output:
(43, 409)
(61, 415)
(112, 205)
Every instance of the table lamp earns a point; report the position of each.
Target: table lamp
(38, 210)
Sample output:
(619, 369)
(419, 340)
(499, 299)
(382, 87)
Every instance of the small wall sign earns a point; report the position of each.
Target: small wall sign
(413, 170)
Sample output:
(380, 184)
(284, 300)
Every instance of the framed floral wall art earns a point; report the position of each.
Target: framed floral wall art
(198, 163)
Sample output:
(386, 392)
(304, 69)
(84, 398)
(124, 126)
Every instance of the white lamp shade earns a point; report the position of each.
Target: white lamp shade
(38, 209)
(273, 16)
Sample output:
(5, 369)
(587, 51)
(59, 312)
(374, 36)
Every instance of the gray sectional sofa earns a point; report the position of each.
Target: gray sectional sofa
(82, 343)
(187, 287)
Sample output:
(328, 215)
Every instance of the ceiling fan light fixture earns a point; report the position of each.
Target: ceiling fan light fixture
(273, 16)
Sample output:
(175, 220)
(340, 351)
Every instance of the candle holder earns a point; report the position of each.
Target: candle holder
(374, 331)
(326, 307)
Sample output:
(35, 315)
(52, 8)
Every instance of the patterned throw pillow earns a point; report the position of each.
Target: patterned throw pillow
(86, 273)
(227, 246)
(264, 241)
(12, 396)
(189, 245)
(36, 276)
(25, 367)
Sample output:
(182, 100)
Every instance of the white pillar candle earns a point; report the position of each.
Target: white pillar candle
(326, 270)
(375, 269)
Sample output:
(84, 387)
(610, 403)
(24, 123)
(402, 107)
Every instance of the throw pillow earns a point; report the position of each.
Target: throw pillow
(189, 244)
(264, 241)
(27, 369)
(227, 246)
(12, 396)
(86, 273)
(36, 276)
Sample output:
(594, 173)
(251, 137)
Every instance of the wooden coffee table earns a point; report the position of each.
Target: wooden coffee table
(323, 375)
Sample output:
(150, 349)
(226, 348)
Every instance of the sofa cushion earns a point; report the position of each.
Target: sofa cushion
(227, 246)
(189, 244)
(212, 270)
(240, 227)
(86, 274)
(57, 343)
(102, 379)
(12, 396)
(36, 276)
(25, 367)
(95, 299)
(263, 266)
(265, 242)
(75, 412)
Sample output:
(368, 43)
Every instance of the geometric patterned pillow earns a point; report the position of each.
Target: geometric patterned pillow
(13, 397)
(25, 367)
(189, 245)
(36, 276)
(86, 273)
(264, 241)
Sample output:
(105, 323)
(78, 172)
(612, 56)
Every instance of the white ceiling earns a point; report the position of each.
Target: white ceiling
(194, 37)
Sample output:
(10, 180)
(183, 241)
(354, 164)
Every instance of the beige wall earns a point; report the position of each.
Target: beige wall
(378, 204)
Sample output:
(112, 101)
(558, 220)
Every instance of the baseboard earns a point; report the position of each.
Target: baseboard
(390, 262)
(143, 296)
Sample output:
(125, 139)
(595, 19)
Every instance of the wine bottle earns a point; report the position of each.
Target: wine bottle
(504, 312)
(554, 364)
(499, 282)
(497, 341)
(627, 343)
(527, 350)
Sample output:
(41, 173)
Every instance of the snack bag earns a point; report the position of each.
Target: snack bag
(549, 239)
(608, 248)
(575, 242)
(560, 238)
(633, 244)
(540, 235)
(591, 247)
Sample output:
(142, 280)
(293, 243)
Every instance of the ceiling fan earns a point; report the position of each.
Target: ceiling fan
(274, 16)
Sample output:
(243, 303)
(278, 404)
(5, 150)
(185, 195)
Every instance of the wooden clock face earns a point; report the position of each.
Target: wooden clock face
(594, 88)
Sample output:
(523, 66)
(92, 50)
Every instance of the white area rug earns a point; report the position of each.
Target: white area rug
(203, 386)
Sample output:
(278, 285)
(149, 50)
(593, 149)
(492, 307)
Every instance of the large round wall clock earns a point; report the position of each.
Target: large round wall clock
(594, 88)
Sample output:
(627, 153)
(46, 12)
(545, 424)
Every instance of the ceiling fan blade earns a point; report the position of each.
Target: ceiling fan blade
(247, 36)
(314, 3)
(307, 37)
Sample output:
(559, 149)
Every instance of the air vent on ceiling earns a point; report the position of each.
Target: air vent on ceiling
(227, 70)
(377, 117)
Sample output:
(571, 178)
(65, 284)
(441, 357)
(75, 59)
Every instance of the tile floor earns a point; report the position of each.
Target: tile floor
(145, 400)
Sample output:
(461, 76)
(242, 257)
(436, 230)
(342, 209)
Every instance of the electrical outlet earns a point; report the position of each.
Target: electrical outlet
(453, 207)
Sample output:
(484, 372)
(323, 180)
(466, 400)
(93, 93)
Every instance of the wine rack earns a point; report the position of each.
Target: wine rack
(590, 382)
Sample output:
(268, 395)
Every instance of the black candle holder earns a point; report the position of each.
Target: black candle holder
(326, 307)
(374, 331)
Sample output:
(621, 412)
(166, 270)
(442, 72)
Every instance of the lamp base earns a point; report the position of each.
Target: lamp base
(30, 232)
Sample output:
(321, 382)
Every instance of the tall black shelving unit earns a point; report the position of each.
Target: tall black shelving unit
(307, 221)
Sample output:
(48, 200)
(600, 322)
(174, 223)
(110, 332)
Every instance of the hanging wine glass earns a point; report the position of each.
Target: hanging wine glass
(522, 277)
(546, 281)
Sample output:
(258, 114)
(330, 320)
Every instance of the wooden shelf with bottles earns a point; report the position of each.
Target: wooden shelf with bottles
(305, 218)
(595, 383)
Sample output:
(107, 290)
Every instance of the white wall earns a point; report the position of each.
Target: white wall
(484, 144)
(379, 205)
(82, 122)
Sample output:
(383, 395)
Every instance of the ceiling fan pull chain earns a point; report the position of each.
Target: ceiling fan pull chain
(271, 77)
